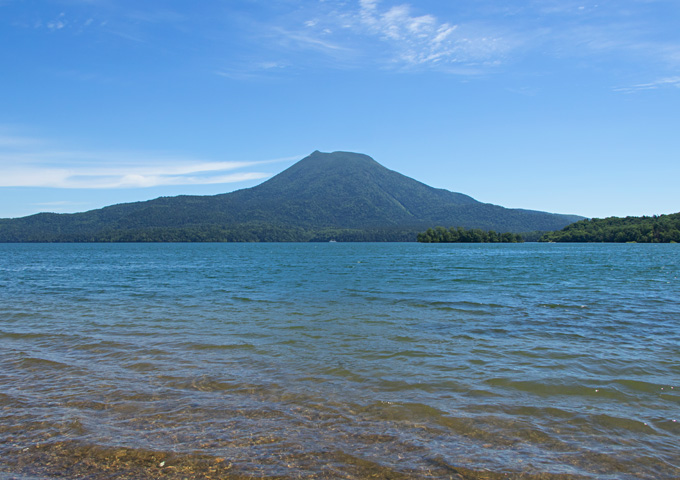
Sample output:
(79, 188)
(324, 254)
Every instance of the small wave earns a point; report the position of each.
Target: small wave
(474, 308)
(449, 386)
(210, 384)
(142, 367)
(560, 306)
(401, 353)
(103, 347)
(52, 337)
(243, 299)
(669, 424)
(645, 387)
(401, 411)
(217, 346)
(604, 424)
(36, 363)
(555, 388)
(405, 339)
(342, 372)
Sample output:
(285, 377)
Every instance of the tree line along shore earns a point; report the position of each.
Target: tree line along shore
(654, 229)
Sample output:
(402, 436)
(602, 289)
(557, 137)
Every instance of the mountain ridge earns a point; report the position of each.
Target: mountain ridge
(323, 192)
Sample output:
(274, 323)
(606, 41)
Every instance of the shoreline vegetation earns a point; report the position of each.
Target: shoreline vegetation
(461, 235)
(654, 229)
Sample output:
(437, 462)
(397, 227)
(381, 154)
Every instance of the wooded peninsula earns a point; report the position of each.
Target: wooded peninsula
(461, 235)
(654, 229)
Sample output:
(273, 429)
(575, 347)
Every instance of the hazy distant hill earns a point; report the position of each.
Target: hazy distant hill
(341, 195)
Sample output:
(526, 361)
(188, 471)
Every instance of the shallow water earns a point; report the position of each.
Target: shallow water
(340, 360)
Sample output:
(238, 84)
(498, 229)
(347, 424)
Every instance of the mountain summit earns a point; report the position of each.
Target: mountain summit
(351, 190)
(340, 195)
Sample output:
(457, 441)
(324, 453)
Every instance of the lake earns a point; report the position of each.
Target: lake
(340, 360)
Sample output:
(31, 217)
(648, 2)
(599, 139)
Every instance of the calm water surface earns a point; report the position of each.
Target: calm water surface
(339, 360)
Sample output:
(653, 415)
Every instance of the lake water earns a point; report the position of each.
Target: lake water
(339, 361)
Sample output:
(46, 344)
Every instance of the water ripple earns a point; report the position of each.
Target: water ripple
(327, 361)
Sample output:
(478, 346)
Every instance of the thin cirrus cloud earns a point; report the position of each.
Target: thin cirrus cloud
(402, 36)
(23, 166)
(661, 83)
(416, 39)
(125, 176)
(462, 38)
(391, 35)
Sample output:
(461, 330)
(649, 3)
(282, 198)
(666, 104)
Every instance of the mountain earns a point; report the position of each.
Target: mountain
(343, 195)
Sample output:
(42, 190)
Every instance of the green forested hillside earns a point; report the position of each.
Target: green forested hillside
(656, 229)
(338, 195)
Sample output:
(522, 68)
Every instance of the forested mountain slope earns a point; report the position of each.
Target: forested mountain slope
(341, 195)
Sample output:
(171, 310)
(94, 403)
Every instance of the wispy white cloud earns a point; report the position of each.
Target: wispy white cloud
(152, 174)
(60, 203)
(263, 40)
(631, 45)
(252, 70)
(162, 16)
(417, 39)
(124, 179)
(424, 39)
(396, 35)
(9, 141)
(310, 41)
(64, 23)
(58, 23)
(561, 7)
(660, 83)
(28, 163)
(94, 17)
(472, 39)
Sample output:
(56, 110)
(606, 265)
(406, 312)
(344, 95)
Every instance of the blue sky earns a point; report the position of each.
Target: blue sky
(556, 105)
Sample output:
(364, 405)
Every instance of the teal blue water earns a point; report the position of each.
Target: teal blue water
(341, 360)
